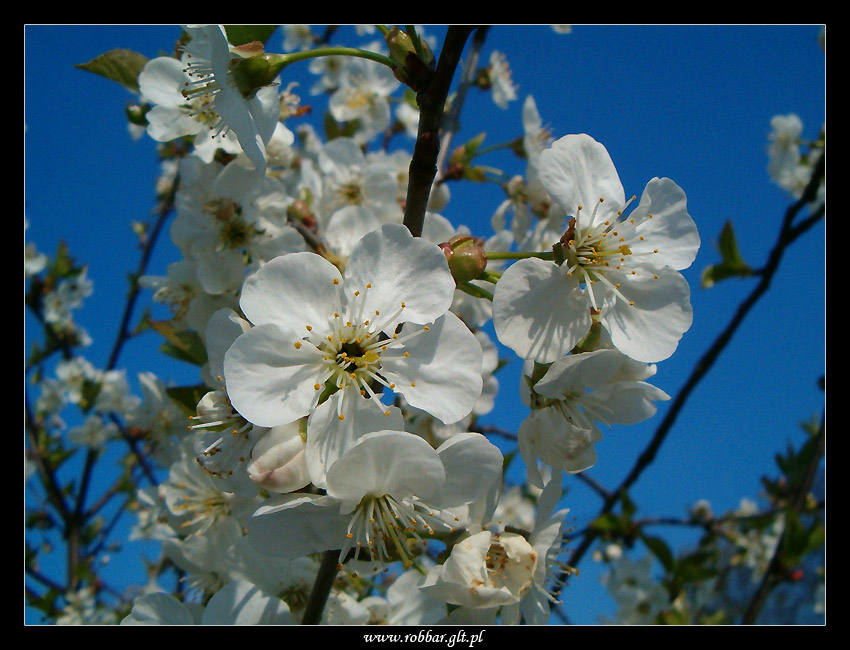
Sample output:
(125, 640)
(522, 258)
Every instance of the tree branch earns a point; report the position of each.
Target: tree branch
(432, 103)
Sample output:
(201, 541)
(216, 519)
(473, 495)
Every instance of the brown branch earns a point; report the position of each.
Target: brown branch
(432, 103)
(321, 588)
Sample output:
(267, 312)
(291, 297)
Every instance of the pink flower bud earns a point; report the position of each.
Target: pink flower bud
(278, 463)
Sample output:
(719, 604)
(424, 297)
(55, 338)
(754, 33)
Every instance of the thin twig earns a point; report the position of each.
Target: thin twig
(776, 569)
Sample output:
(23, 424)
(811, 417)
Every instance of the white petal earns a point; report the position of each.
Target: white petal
(547, 435)
(442, 375)
(328, 437)
(386, 462)
(473, 468)
(628, 402)
(347, 226)
(293, 291)
(650, 329)
(577, 373)
(223, 328)
(241, 603)
(401, 269)
(577, 171)
(538, 311)
(166, 124)
(296, 525)
(269, 381)
(671, 230)
(161, 81)
(158, 609)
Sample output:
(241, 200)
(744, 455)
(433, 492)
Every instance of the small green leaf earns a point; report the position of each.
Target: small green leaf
(118, 65)
(187, 397)
(731, 264)
(185, 345)
(242, 34)
(660, 549)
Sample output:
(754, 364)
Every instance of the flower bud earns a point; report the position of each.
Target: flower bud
(466, 257)
(254, 72)
(399, 44)
(278, 462)
(412, 70)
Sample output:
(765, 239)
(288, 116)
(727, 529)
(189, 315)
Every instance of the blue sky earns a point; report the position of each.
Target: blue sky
(692, 103)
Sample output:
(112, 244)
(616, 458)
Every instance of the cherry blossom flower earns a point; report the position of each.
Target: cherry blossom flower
(499, 78)
(385, 493)
(625, 269)
(197, 96)
(361, 94)
(383, 327)
(577, 392)
(506, 571)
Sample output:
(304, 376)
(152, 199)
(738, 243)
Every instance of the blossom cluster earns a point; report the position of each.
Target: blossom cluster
(346, 362)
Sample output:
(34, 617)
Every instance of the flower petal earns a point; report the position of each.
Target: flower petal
(473, 468)
(441, 370)
(671, 230)
(577, 171)
(270, 382)
(538, 311)
(295, 525)
(650, 329)
(386, 462)
(292, 291)
(329, 437)
(401, 268)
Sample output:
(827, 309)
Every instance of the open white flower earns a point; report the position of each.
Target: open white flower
(484, 570)
(197, 96)
(576, 393)
(361, 94)
(547, 538)
(225, 216)
(504, 572)
(358, 193)
(312, 329)
(624, 268)
(383, 495)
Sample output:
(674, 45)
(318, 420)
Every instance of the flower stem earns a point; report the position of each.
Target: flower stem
(337, 51)
(476, 291)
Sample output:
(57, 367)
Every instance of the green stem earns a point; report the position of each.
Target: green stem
(490, 276)
(476, 291)
(493, 147)
(287, 59)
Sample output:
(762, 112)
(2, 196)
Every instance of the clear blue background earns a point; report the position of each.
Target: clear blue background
(693, 103)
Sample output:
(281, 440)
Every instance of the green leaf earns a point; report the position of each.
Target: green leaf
(242, 34)
(118, 65)
(660, 549)
(187, 397)
(731, 264)
(185, 345)
(607, 523)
